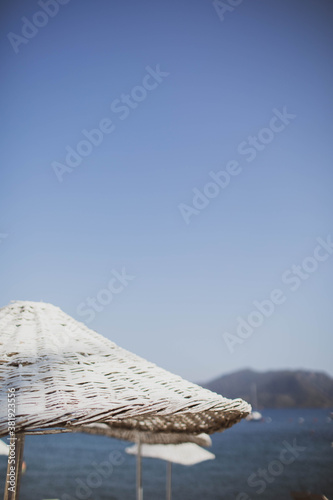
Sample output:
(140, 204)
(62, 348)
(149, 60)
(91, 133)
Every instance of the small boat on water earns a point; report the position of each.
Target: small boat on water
(255, 415)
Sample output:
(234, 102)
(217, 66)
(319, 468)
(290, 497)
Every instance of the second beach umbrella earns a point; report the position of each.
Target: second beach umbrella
(184, 454)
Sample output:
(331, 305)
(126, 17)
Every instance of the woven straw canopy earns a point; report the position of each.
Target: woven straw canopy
(66, 375)
(146, 437)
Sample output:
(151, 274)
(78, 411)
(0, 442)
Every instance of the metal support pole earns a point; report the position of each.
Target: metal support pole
(14, 467)
(169, 473)
(139, 492)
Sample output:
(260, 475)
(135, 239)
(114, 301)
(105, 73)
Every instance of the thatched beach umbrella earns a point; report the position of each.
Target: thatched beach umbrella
(184, 454)
(64, 375)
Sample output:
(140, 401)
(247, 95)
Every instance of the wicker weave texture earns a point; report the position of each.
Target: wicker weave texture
(145, 437)
(66, 375)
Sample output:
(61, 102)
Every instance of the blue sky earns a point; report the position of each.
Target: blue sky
(119, 210)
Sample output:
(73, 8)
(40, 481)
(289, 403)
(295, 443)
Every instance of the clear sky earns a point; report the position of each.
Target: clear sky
(181, 90)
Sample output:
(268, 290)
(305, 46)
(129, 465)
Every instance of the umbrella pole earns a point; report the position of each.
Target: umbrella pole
(169, 472)
(14, 467)
(139, 492)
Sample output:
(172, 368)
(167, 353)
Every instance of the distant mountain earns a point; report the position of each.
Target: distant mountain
(277, 389)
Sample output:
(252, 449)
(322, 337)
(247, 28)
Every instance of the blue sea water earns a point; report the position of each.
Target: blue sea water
(250, 464)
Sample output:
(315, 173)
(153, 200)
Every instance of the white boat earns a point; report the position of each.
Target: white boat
(255, 415)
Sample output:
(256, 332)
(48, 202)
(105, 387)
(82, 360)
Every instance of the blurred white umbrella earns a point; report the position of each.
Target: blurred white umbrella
(4, 448)
(184, 454)
(144, 438)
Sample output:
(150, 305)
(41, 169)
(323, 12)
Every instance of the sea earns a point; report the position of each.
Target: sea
(290, 450)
